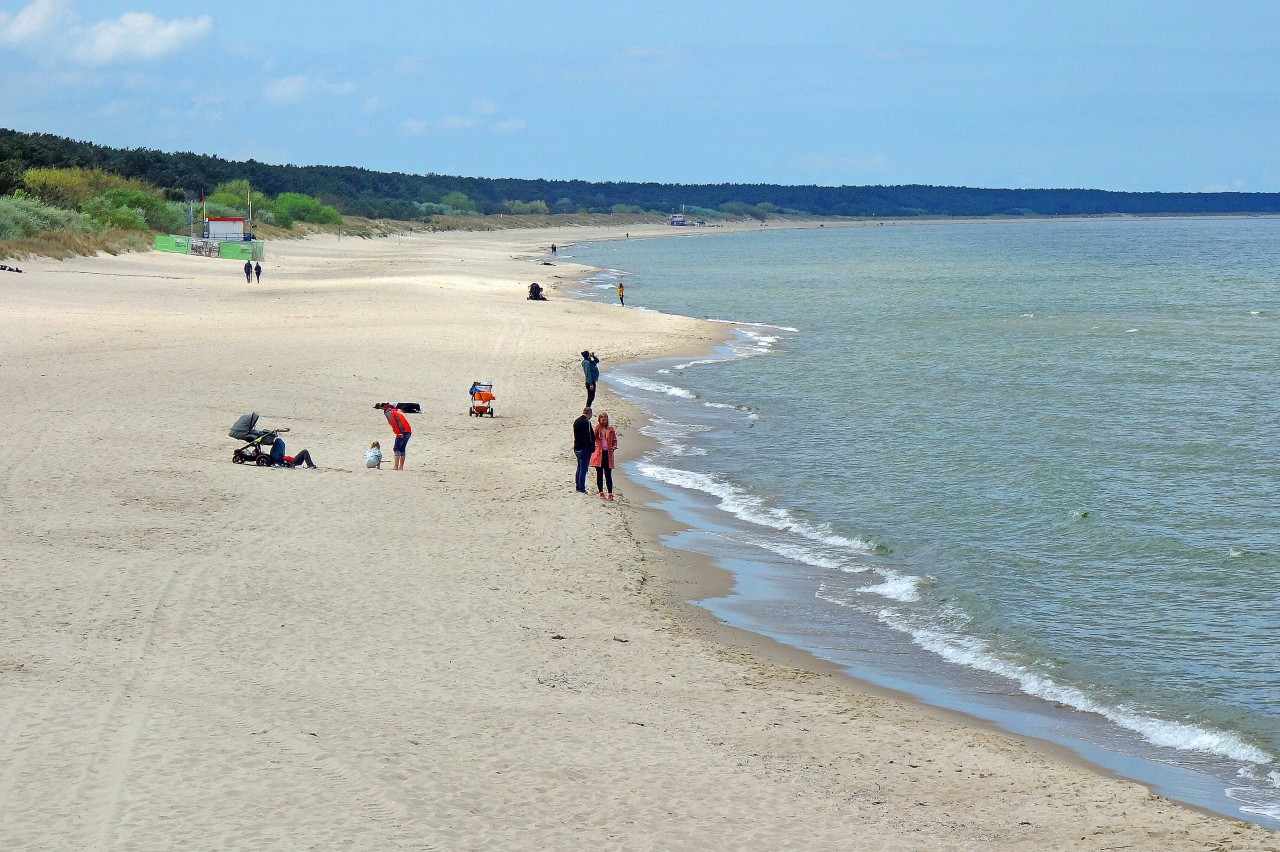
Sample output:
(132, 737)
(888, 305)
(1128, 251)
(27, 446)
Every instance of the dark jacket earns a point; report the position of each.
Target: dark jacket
(584, 437)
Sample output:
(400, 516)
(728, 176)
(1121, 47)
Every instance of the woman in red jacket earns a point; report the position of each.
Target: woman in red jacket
(400, 426)
(602, 457)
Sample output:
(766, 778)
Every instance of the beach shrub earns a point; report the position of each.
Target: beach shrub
(26, 217)
(701, 212)
(304, 208)
(625, 208)
(431, 209)
(132, 209)
(74, 187)
(459, 201)
(526, 208)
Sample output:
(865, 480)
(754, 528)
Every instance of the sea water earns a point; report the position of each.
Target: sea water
(1027, 470)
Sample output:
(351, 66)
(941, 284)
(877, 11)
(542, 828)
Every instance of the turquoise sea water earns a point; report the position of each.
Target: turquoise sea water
(1028, 470)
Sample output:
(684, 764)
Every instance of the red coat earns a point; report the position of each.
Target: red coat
(606, 441)
(399, 423)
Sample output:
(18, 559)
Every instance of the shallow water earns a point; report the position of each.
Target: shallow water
(1022, 469)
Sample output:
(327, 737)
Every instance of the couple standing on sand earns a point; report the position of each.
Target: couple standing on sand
(594, 446)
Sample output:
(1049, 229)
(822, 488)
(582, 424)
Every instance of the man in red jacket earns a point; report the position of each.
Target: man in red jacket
(400, 426)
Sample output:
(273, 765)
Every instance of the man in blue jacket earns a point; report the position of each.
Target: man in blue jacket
(591, 371)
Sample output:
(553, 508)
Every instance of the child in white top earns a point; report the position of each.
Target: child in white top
(373, 458)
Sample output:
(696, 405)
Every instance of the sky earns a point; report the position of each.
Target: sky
(1138, 95)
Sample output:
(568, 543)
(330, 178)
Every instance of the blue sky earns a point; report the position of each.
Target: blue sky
(1126, 94)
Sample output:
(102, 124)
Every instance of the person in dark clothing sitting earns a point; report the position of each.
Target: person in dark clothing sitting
(302, 459)
(535, 293)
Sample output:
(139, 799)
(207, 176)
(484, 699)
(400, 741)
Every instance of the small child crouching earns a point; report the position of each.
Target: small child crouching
(373, 458)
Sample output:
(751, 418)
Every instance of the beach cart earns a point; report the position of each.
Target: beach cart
(481, 399)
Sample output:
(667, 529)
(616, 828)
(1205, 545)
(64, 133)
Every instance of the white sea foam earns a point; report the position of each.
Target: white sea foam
(977, 654)
(746, 325)
(898, 587)
(641, 383)
(662, 429)
(749, 507)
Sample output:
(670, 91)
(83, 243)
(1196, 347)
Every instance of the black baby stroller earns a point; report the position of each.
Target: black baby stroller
(260, 441)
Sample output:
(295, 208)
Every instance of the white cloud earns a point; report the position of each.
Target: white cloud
(138, 35)
(415, 127)
(484, 106)
(372, 105)
(456, 122)
(34, 22)
(298, 87)
(510, 125)
(51, 28)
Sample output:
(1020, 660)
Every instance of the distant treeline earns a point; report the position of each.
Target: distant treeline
(395, 195)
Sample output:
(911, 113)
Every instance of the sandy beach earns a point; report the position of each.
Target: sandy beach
(466, 655)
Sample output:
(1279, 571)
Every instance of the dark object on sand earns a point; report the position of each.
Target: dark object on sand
(409, 407)
(4, 268)
(535, 293)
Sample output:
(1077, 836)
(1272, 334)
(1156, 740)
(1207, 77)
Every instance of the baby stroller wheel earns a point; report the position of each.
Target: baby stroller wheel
(263, 461)
(235, 457)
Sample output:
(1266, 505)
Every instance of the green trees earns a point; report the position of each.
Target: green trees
(459, 201)
(304, 208)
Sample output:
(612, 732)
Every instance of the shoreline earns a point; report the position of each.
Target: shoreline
(464, 654)
(714, 580)
(717, 581)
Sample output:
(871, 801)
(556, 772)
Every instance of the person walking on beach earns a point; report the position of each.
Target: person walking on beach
(400, 426)
(602, 456)
(584, 443)
(257, 272)
(591, 372)
(621, 301)
(248, 272)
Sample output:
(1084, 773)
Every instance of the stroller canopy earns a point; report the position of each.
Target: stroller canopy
(243, 429)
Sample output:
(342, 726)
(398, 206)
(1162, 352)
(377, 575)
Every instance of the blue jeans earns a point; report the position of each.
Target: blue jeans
(584, 464)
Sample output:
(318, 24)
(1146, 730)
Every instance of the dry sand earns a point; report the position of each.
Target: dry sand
(465, 655)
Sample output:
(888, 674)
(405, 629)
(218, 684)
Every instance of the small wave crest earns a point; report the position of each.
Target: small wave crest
(641, 383)
(975, 653)
(749, 507)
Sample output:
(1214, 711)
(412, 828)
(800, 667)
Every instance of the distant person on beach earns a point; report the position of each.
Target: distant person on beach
(606, 441)
(257, 272)
(591, 372)
(584, 443)
(535, 293)
(400, 426)
(373, 458)
(621, 301)
(248, 272)
(553, 248)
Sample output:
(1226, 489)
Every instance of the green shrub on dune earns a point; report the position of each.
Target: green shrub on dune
(133, 209)
(304, 208)
(24, 218)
